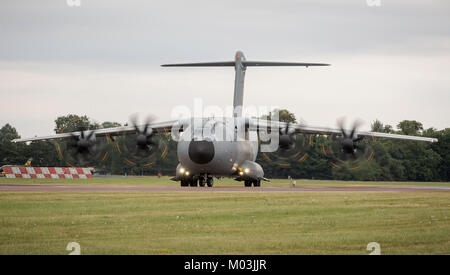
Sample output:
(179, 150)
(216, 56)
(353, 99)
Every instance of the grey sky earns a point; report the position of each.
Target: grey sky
(102, 59)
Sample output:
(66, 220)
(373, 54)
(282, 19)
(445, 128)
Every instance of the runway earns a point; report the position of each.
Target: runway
(152, 188)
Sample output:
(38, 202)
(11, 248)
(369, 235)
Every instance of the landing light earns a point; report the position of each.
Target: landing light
(181, 170)
(187, 173)
(241, 173)
(246, 170)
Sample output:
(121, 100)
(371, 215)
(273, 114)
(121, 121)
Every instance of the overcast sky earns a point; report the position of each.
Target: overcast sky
(102, 59)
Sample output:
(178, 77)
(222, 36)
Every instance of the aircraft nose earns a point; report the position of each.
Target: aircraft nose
(201, 152)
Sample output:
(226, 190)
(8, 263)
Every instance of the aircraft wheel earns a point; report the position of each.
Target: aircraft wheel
(247, 183)
(209, 182)
(193, 182)
(184, 183)
(257, 183)
(201, 182)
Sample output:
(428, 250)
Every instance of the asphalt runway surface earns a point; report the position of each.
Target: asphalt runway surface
(109, 188)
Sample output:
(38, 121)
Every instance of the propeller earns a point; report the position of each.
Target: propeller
(349, 141)
(346, 149)
(287, 138)
(143, 135)
(80, 148)
(141, 150)
(83, 143)
(293, 147)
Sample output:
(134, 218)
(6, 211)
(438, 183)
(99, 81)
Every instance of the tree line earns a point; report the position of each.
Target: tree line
(383, 159)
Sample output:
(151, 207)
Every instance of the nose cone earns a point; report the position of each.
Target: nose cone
(201, 152)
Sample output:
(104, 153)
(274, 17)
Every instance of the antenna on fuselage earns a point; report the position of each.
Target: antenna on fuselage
(240, 65)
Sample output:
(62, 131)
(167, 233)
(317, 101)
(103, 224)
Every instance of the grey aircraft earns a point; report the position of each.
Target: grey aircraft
(224, 146)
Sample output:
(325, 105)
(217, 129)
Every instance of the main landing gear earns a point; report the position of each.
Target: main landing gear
(201, 180)
(256, 183)
(207, 180)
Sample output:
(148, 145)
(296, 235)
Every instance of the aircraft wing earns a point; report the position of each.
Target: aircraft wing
(255, 124)
(156, 127)
(302, 129)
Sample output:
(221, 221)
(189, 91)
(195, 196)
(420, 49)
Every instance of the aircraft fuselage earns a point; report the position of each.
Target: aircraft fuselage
(219, 147)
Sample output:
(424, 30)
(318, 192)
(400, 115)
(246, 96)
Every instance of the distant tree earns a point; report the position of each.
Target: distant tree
(430, 132)
(377, 126)
(388, 129)
(10, 153)
(410, 127)
(108, 124)
(72, 123)
(44, 153)
(442, 147)
(283, 115)
(8, 133)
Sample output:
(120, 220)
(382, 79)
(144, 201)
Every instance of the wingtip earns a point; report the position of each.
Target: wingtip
(317, 64)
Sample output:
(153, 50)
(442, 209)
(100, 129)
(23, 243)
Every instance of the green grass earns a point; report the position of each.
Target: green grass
(165, 181)
(222, 222)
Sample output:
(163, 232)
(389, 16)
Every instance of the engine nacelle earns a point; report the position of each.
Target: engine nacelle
(84, 142)
(287, 139)
(250, 170)
(286, 142)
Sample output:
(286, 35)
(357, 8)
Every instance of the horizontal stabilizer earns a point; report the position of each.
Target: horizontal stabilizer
(244, 63)
(204, 64)
(265, 63)
(240, 65)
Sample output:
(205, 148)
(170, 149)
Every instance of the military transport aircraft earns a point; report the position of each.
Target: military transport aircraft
(223, 147)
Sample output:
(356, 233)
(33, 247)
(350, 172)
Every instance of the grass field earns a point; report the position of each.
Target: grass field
(223, 222)
(165, 181)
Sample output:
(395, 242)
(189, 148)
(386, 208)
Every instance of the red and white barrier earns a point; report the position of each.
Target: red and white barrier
(47, 172)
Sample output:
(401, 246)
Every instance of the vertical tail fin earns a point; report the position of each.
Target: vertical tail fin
(240, 65)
